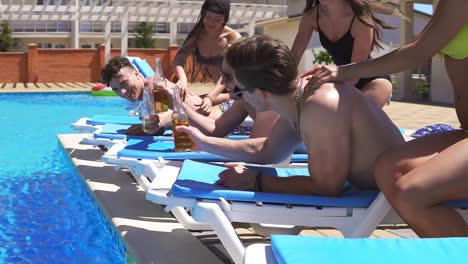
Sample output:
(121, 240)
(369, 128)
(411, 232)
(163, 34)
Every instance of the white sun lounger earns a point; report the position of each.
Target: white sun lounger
(355, 213)
(144, 156)
(111, 134)
(145, 162)
(326, 250)
(91, 124)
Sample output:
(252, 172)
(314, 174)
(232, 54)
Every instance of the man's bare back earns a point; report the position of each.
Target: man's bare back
(342, 114)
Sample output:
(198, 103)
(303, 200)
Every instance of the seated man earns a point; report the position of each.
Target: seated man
(120, 72)
(128, 83)
(343, 130)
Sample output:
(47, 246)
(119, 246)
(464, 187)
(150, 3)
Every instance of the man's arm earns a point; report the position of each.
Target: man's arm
(223, 125)
(264, 123)
(274, 149)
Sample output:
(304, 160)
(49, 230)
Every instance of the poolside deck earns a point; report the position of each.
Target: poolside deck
(153, 235)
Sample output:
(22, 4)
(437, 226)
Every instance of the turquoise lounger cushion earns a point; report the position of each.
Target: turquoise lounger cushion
(147, 148)
(197, 180)
(326, 250)
(113, 119)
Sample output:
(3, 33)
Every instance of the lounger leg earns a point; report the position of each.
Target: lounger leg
(212, 214)
(186, 220)
(372, 218)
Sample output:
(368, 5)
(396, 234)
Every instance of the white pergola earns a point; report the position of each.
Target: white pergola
(125, 11)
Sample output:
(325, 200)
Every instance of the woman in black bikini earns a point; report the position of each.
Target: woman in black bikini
(349, 31)
(206, 43)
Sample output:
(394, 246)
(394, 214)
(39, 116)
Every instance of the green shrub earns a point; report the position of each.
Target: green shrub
(6, 40)
(322, 57)
(144, 35)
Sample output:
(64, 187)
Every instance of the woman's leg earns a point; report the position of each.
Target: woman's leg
(379, 90)
(416, 179)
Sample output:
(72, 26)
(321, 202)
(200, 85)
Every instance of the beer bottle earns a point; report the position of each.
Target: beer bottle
(161, 98)
(147, 114)
(179, 118)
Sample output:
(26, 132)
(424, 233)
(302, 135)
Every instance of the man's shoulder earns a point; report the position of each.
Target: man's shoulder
(326, 95)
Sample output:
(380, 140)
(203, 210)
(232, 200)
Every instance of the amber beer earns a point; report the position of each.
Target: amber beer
(179, 118)
(161, 100)
(181, 139)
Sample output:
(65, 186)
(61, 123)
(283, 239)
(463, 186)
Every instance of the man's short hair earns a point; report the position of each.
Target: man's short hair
(113, 67)
(262, 62)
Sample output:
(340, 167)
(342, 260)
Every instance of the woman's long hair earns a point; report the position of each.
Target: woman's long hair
(221, 7)
(365, 11)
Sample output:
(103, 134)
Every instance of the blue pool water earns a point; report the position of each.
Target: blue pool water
(47, 215)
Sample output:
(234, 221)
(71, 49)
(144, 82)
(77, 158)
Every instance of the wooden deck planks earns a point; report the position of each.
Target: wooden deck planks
(45, 87)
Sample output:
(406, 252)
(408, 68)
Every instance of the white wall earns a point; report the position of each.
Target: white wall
(441, 87)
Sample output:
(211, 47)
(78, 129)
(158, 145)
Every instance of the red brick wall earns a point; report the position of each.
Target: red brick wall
(14, 67)
(68, 65)
(75, 65)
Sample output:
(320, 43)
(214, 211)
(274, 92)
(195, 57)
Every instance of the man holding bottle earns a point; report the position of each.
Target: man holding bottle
(342, 129)
(128, 83)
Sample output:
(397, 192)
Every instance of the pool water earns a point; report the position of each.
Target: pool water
(47, 214)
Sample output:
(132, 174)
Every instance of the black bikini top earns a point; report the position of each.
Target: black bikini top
(340, 50)
(216, 61)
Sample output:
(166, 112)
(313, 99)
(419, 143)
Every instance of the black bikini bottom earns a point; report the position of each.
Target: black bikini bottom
(364, 81)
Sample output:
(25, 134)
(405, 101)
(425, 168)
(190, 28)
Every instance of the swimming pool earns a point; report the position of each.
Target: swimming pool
(47, 213)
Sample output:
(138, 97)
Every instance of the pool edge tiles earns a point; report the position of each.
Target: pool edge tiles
(102, 214)
(150, 234)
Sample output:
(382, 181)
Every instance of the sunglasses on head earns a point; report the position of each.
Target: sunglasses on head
(237, 92)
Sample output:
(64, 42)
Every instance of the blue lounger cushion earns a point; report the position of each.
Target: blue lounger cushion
(323, 250)
(143, 67)
(113, 131)
(197, 180)
(113, 119)
(146, 148)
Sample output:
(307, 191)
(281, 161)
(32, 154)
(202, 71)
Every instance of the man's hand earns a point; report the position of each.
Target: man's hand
(237, 177)
(320, 74)
(205, 106)
(197, 137)
(137, 130)
(154, 130)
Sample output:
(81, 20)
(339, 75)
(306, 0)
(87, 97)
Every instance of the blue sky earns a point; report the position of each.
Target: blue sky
(423, 8)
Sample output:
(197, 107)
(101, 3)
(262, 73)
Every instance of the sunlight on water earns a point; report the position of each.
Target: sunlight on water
(48, 215)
